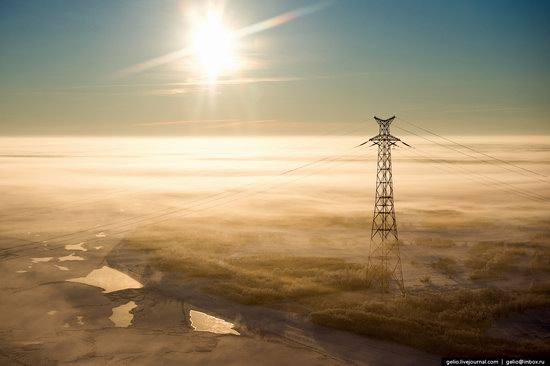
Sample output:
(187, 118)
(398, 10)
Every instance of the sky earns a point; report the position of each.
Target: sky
(465, 67)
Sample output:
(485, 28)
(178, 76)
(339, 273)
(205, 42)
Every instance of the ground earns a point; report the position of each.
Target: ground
(220, 232)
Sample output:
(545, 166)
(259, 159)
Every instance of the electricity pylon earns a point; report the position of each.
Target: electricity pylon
(384, 262)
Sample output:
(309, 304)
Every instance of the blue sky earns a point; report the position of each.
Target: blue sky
(457, 67)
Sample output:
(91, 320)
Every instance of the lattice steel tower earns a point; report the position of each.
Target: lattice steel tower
(384, 262)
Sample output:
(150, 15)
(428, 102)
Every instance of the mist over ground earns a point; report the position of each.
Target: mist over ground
(99, 179)
(217, 224)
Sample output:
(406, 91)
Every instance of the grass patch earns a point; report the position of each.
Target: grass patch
(435, 243)
(427, 280)
(251, 279)
(336, 293)
(268, 279)
(445, 265)
(448, 323)
(490, 260)
(541, 260)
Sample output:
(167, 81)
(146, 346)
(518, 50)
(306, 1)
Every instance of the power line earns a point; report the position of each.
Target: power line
(478, 151)
(512, 188)
(457, 150)
(508, 188)
(228, 193)
(105, 196)
(95, 228)
(505, 187)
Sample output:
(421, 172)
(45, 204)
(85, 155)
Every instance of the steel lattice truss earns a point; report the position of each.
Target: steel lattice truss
(384, 253)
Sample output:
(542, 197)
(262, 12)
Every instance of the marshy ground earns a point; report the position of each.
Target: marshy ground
(284, 267)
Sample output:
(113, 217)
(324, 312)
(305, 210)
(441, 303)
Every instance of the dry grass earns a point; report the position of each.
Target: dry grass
(541, 260)
(445, 265)
(252, 279)
(492, 260)
(336, 293)
(266, 279)
(446, 323)
(426, 280)
(435, 242)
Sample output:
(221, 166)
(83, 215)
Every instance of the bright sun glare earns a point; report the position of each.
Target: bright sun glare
(214, 46)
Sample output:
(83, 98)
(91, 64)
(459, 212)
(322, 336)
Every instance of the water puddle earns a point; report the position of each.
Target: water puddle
(70, 257)
(38, 260)
(207, 323)
(21, 271)
(76, 247)
(108, 279)
(61, 268)
(121, 315)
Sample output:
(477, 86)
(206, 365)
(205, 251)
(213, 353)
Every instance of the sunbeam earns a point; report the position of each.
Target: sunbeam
(214, 45)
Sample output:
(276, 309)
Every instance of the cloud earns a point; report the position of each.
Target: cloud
(213, 123)
(183, 122)
(240, 123)
(177, 88)
(167, 92)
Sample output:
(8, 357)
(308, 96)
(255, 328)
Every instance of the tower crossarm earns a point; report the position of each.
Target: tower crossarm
(384, 136)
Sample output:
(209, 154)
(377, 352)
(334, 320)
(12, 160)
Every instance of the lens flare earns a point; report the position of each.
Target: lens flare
(213, 46)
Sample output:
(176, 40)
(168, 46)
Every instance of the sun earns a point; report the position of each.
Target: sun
(214, 46)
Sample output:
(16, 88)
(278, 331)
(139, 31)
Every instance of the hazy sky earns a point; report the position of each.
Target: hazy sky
(456, 67)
